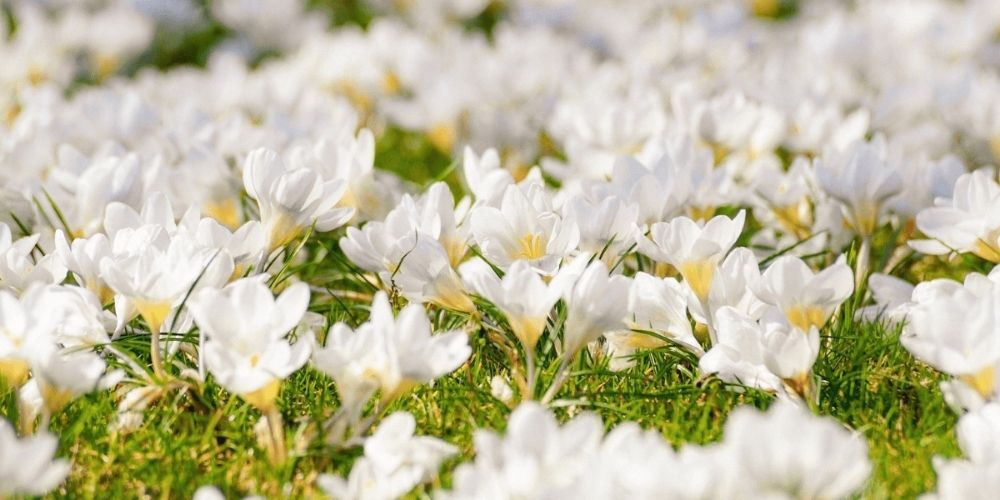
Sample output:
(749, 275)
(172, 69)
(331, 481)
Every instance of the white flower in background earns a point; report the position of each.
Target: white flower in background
(536, 458)
(82, 319)
(395, 460)
(22, 265)
(978, 475)
(820, 459)
(292, 199)
(425, 275)
(660, 190)
(807, 299)
(28, 465)
(862, 179)
(351, 159)
(246, 328)
(265, 23)
(525, 227)
(85, 187)
(484, 176)
(892, 298)
(389, 353)
(967, 222)
(694, 249)
(82, 257)
(606, 227)
(732, 286)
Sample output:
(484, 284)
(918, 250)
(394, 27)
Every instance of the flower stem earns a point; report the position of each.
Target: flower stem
(529, 361)
(277, 428)
(562, 374)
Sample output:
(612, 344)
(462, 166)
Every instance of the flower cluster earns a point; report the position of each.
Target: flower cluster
(585, 185)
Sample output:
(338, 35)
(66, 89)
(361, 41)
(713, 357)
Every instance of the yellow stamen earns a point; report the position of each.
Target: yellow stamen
(531, 247)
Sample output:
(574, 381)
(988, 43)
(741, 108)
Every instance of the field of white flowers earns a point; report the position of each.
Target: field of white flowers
(552, 249)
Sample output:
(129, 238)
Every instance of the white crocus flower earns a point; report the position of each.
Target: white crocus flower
(291, 199)
(389, 353)
(62, 376)
(807, 299)
(525, 227)
(24, 337)
(522, 295)
(28, 466)
(790, 353)
(953, 328)
(246, 327)
(739, 355)
(977, 475)
(968, 222)
(83, 258)
(694, 249)
(862, 180)
(20, 268)
(656, 306)
(820, 459)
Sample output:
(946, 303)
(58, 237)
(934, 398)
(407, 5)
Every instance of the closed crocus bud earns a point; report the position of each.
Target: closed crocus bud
(790, 354)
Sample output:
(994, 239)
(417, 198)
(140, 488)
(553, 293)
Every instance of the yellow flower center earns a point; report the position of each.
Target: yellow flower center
(14, 371)
(982, 381)
(391, 84)
(805, 316)
(527, 329)
(530, 247)
(226, 212)
(154, 312)
(442, 136)
(794, 219)
(698, 275)
(263, 398)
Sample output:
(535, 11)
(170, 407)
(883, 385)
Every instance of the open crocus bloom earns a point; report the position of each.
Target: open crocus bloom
(694, 249)
(246, 327)
(806, 298)
(389, 353)
(292, 199)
